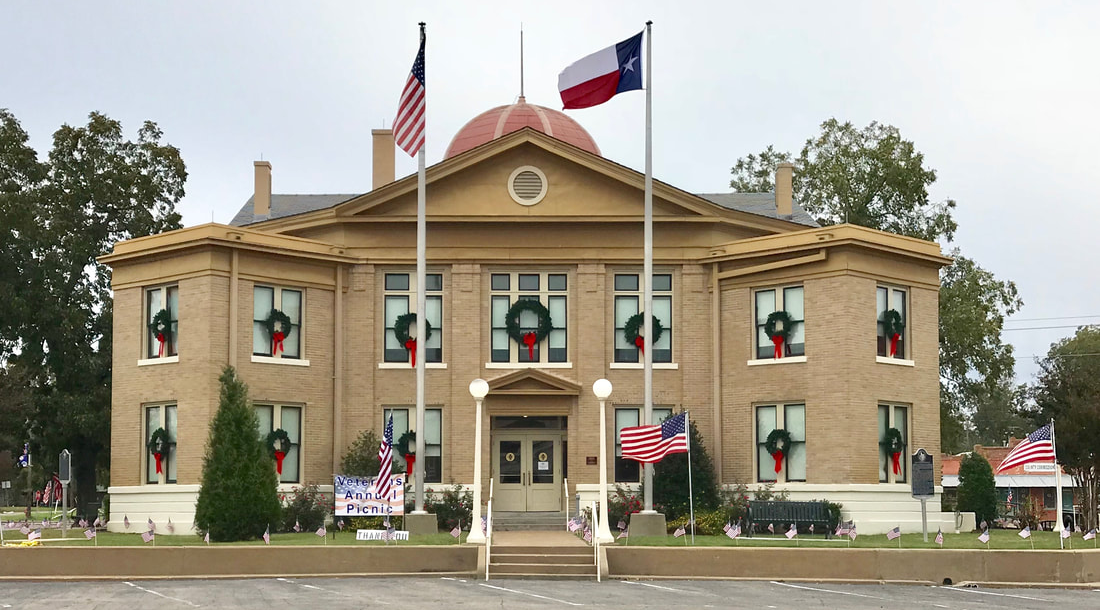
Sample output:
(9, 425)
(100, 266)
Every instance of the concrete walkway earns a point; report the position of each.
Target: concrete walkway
(537, 538)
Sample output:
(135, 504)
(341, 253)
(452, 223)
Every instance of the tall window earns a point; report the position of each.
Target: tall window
(628, 302)
(433, 439)
(891, 298)
(286, 300)
(164, 297)
(789, 300)
(272, 417)
(893, 416)
(400, 300)
(160, 416)
(550, 289)
(626, 470)
(791, 418)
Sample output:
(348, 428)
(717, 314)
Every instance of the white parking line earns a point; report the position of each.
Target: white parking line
(785, 584)
(175, 599)
(646, 584)
(316, 588)
(560, 601)
(965, 590)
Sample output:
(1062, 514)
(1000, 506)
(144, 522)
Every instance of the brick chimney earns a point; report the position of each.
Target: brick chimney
(383, 157)
(784, 191)
(261, 197)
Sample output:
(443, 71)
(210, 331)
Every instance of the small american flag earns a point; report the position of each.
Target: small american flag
(126, 521)
(1026, 532)
(727, 527)
(1009, 499)
(171, 528)
(574, 524)
(1066, 532)
(680, 531)
(267, 535)
(734, 532)
(25, 530)
(97, 522)
(89, 533)
(148, 536)
(206, 538)
(391, 534)
(1077, 528)
(408, 127)
(340, 524)
(792, 531)
(484, 525)
(35, 535)
(385, 456)
(983, 525)
(45, 523)
(321, 532)
(83, 523)
(939, 537)
(771, 528)
(984, 538)
(894, 533)
(652, 443)
(1037, 447)
(587, 535)
(852, 532)
(152, 526)
(622, 524)
(456, 532)
(811, 528)
(841, 529)
(1091, 534)
(624, 534)
(297, 526)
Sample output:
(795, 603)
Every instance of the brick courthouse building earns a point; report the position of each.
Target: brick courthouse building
(523, 206)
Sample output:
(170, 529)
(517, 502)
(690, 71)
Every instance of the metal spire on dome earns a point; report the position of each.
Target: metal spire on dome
(521, 98)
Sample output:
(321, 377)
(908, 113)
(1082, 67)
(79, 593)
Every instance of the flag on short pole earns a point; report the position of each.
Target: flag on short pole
(35, 535)
(598, 77)
(574, 524)
(894, 533)
(727, 527)
(25, 459)
(25, 530)
(983, 525)
(852, 532)
(152, 526)
(408, 127)
(340, 524)
(297, 526)
(148, 536)
(811, 528)
(792, 531)
(171, 528)
(650, 444)
(1009, 499)
(771, 528)
(385, 456)
(97, 522)
(1066, 532)
(267, 535)
(587, 535)
(83, 523)
(680, 531)
(1090, 535)
(456, 532)
(206, 538)
(320, 532)
(1037, 447)
(939, 537)
(126, 521)
(89, 533)
(622, 524)
(485, 525)
(1026, 532)
(984, 538)
(1077, 528)
(734, 532)
(623, 534)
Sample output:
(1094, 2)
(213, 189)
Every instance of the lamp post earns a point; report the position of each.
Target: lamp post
(602, 390)
(479, 388)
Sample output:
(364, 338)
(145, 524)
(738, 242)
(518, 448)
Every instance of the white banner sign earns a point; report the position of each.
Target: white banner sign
(380, 535)
(357, 497)
(1038, 467)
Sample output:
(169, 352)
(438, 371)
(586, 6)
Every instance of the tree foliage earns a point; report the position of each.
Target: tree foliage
(670, 479)
(1068, 391)
(361, 459)
(977, 488)
(238, 499)
(95, 188)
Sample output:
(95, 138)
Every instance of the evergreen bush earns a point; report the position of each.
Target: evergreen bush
(238, 499)
(361, 460)
(670, 480)
(977, 488)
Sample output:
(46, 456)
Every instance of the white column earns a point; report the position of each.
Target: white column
(478, 389)
(602, 389)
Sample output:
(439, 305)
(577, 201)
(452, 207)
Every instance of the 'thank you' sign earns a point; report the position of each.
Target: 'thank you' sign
(356, 497)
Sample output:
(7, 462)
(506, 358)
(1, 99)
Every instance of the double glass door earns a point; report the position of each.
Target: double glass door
(527, 471)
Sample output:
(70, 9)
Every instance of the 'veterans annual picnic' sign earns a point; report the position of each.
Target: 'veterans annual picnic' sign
(358, 497)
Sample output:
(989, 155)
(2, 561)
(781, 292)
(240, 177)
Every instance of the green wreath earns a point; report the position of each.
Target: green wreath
(278, 327)
(511, 324)
(161, 329)
(158, 445)
(278, 444)
(634, 324)
(894, 444)
(778, 442)
(778, 336)
(892, 328)
(403, 323)
(407, 441)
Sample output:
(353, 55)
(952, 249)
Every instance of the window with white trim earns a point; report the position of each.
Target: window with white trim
(400, 299)
(771, 300)
(403, 417)
(792, 418)
(886, 299)
(287, 300)
(160, 416)
(629, 294)
(163, 297)
(272, 417)
(627, 470)
(549, 288)
(893, 416)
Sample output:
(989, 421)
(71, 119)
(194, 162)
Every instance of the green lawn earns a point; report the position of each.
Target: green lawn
(999, 539)
(76, 538)
(15, 513)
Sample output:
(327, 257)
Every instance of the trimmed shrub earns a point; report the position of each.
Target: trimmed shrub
(977, 489)
(361, 460)
(670, 480)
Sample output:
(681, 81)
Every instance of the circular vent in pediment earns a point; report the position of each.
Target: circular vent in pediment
(527, 185)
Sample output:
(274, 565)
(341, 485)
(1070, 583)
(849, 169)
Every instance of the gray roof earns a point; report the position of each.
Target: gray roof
(762, 204)
(288, 205)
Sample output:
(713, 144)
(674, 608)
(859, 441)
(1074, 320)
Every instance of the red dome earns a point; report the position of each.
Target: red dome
(502, 120)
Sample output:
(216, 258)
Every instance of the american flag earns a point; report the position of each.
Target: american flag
(771, 528)
(652, 443)
(152, 526)
(83, 523)
(811, 528)
(622, 524)
(984, 538)
(98, 522)
(894, 533)
(1037, 447)
(206, 538)
(385, 455)
(623, 534)
(267, 535)
(1026, 532)
(171, 528)
(89, 533)
(1066, 532)
(408, 127)
(841, 529)
(321, 532)
(1009, 499)
(939, 537)
(852, 532)
(484, 524)
(574, 524)
(587, 535)
(25, 530)
(126, 521)
(1090, 535)
(25, 459)
(391, 534)
(983, 525)
(35, 535)
(792, 531)
(680, 531)
(148, 536)
(456, 532)
(297, 526)
(734, 532)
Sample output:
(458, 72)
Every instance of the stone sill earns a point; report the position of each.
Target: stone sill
(283, 361)
(528, 365)
(154, 361)
(668, 366)
(786, 360)
(409, 367)
(894, 361)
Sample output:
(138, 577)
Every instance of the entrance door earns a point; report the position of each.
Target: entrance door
(527, 471)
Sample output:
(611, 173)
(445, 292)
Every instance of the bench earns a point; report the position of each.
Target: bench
(783, 513)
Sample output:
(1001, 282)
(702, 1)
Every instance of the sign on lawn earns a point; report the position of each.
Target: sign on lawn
(381, 535)
(924, 477)
(356, 497)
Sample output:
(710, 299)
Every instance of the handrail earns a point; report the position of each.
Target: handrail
(565, 498)
(488, 530)
(596, 538)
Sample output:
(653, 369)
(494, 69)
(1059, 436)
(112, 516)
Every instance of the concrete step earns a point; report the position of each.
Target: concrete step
(528, 526)
(537, 576)
(502, 557)
(542, 550)
(541, 569)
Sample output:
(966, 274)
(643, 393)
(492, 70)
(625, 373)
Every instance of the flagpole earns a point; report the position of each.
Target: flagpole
(421, 308)
(647, 329)
(1058, 483)
(691, 492)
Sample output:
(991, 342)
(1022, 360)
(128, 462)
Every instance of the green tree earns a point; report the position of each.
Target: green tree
(875, 178)
(95, 188)
(238, 499)
(361, 459)
(977, 489)
(1068, 391)
(670, 480)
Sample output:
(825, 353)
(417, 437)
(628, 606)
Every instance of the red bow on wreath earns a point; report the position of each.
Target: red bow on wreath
(157, 457)
(778, 457)
(894, 345)
(778, 341)
(411, 346)
(640, 342)
(160, 351)
(410, 462)
(897, 462)
(530, 339)
(277, 342)
(279, 455)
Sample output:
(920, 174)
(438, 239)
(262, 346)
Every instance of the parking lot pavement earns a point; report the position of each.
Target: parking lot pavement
(411, 593)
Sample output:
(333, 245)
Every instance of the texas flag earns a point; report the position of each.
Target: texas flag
(594, 79)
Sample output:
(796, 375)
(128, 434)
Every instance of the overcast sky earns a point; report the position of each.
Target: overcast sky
(1001, 97)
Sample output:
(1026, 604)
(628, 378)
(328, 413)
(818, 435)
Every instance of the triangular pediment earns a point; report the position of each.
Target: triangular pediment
(533, 382)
